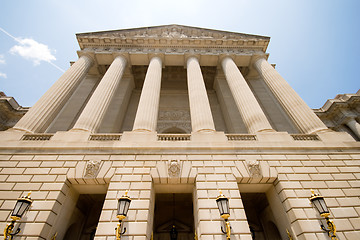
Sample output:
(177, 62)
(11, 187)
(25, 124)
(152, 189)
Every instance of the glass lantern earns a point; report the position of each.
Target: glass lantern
(223, 205)
(123, 206)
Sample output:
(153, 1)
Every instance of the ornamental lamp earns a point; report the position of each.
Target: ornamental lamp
(22, 205)
(319, 204)
(321, 207)
(122, 209)
(123, 206)
(223, 205)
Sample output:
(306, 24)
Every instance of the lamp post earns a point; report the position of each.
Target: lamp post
(320, 205)
(22, 205)
(223, 205)
(122, 209)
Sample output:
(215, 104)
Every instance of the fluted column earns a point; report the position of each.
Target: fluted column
(94, 111)
(38, 118)
(354, 126)
(250, 110)
(201, 117)
(299, 111)
(147, 112)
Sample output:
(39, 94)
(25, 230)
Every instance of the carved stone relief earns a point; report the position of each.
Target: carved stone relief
(254, 168)
(92, 169)
(204, 50)
(174, 119)
(174, 168)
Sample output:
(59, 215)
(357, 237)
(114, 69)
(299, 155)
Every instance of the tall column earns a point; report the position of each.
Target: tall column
(201, 117)
(38, 118)
(250, 110)
(148, 109)
(354, 126)
(299, 111)
(94, 111)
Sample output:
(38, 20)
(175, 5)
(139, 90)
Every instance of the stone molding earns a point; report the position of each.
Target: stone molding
(171, 50)
(91, 172)
(183, 172)
(172, 35)
(254, 171)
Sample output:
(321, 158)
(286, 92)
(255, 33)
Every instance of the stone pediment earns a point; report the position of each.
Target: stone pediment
(170, 35)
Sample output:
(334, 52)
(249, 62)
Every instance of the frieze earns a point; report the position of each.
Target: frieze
(203, 51)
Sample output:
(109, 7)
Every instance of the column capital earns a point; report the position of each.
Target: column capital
(223, 56)
(88, 54)
(256, 57)
(347, 119)
(187, 56)
(126, 56)
(161, 56)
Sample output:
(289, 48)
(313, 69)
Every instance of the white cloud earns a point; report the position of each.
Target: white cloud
(2, 59)
(3, 75)
(33, 51)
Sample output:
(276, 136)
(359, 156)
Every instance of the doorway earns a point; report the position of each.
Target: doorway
(173, 216)
(260, 217)
(85, 217)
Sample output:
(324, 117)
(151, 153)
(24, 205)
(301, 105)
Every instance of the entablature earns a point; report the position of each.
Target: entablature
(104, 57)
(171, 36)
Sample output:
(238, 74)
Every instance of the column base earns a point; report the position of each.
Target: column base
(208, 136)
(135, 136)
(335, 137)
(274, 137)
(71, 136)
(11, 135)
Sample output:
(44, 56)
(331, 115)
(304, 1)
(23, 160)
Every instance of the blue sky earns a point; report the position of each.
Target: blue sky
(315, 44)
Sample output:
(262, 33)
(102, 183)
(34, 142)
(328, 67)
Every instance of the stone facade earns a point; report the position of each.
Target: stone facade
(173, 114)
(342, 114)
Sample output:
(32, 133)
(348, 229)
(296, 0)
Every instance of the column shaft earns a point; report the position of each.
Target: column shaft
(250, 110)
(354, 126)
(94, 111)
(299, 111)
(148, 109)
(201, 117)
(38, 118)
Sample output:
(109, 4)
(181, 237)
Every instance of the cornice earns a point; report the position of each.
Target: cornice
(172, 36)
(342, 101)
(175, 31)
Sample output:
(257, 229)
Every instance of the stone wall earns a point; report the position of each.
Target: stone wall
(55, 178)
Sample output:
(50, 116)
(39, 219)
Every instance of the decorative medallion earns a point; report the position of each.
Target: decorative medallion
(174, 168)
(254, 168)
(92, 169)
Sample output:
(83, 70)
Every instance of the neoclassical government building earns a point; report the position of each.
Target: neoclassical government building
(172, 115)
